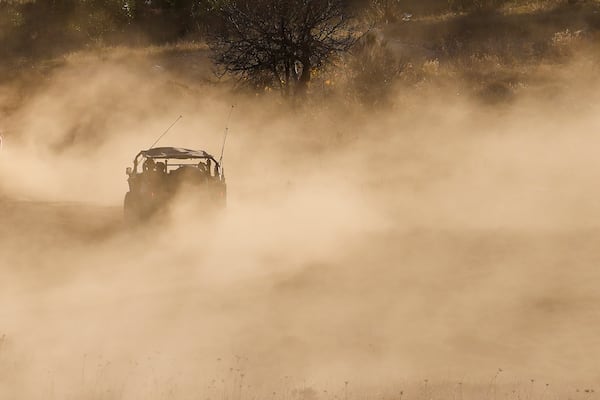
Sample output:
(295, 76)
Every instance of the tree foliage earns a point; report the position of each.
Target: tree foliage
(281, 43)
(49, 27)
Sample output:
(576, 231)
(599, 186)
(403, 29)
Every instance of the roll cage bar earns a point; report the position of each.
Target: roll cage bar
(172, 153)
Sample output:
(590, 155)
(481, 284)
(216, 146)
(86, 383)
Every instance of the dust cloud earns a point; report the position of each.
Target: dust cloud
(361, 253)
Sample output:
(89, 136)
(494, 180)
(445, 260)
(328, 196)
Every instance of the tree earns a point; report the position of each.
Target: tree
(280, 43)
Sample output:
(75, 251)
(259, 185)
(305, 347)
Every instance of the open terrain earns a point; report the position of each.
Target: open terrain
(441, 244)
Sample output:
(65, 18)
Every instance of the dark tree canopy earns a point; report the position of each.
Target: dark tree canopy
(279, 43)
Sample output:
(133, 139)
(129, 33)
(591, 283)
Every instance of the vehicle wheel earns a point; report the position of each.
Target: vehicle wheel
(130, 212)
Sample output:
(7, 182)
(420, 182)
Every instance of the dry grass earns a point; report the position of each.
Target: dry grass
(492, 56)
(120, 53)
(531, 6)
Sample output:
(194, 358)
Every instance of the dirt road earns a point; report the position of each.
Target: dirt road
(171, 302)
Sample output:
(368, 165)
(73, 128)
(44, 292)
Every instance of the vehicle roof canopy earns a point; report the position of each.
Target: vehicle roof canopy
(175, 153)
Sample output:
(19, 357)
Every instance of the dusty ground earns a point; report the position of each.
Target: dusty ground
(427, 257)
(94, 311)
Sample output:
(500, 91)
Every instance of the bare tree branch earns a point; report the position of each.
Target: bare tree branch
(284, 39)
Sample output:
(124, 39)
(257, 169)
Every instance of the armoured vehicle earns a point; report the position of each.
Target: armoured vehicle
(158, 174)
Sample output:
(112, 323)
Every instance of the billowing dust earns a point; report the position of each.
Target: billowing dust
(361, 254)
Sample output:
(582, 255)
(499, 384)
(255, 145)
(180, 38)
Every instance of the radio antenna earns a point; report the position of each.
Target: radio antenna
(165, 132)
(225, 137)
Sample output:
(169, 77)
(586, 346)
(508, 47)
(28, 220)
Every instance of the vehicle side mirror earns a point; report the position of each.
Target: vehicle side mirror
(128, 171)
